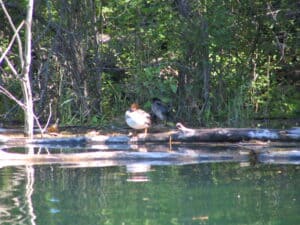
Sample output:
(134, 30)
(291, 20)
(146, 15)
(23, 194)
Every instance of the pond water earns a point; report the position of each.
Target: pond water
(137, 192)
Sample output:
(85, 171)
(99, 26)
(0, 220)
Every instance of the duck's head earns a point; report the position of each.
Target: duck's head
(134, 107)
(155, 100)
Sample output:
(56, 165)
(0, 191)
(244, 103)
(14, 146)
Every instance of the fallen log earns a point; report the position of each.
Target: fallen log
(154, 154)
(121, 157)
(279, 157)
(182, 134)
(235, 134)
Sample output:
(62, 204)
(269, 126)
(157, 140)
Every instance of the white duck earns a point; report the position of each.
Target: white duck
(137, 118)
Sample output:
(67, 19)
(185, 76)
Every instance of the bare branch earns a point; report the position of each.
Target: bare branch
(38, 124)
(11, 41)
(16, 32)
(280, 43)
(49, 117)
(12, 97)
(23, 106)
(11, 66)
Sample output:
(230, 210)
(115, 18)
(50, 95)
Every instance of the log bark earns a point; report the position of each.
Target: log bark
(182, 134)
(181, 156)
(124, 154)
(181, 146)
(235, 134)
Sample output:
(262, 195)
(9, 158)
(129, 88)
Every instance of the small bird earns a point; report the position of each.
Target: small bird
(137, 118)
(54, 128)
(184, 129)
(160, 109)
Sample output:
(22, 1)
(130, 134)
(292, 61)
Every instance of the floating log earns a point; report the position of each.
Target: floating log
(280, 157)
(235, 134)
(154, 154)
(182, 134)
(121, 157)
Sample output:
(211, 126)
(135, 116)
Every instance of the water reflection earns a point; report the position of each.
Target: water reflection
(187, 186)
(213, 193)
(138, 172)
(16, 195)
(29, 193)
(121, 155)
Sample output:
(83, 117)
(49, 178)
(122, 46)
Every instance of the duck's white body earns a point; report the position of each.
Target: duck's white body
(137, 118)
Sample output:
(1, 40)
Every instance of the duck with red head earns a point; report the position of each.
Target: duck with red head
(137, 118)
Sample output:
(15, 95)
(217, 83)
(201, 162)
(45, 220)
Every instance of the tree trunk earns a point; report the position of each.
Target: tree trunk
(25, 81)
(205, 65)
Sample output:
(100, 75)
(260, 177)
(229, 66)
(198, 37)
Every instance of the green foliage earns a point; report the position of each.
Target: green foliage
(247, 50)
(149, 83)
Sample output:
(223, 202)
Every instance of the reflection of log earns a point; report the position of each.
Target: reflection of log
(280, 157)
(121, 157)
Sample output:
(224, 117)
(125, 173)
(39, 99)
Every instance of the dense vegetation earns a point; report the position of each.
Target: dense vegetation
(215, 62)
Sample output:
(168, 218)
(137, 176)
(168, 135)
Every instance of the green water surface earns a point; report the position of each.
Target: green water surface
(213, 193)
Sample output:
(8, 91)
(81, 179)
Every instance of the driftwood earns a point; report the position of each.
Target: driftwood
(182, 134)
(182, 156)
(181, 146)
(236, 134)
(153, 154)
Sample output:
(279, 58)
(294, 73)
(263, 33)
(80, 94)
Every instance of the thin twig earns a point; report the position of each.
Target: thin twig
(11, 41)
(38, 124)
(10, 65)
(12, 97)
(16, 32)
(22, 105)
(49, 117)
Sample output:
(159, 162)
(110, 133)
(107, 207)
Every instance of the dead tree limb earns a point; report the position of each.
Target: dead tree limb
(182, 135)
